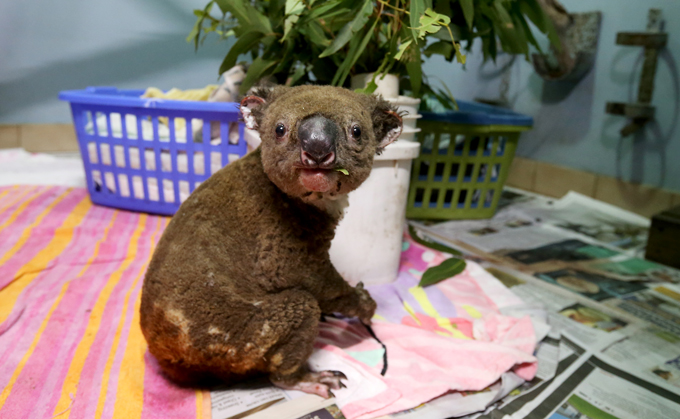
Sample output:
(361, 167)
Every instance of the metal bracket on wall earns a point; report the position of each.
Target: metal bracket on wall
(652, 41)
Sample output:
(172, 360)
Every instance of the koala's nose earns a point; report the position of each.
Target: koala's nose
(318, 136)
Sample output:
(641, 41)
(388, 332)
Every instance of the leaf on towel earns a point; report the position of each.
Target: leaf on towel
(447, 269)
(432, 245)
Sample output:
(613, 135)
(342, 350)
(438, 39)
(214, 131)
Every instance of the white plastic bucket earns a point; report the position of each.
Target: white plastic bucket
(406, 104)
(388, 84)
(367, 243)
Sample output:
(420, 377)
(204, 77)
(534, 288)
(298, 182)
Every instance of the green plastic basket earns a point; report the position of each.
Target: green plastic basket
(461, 169)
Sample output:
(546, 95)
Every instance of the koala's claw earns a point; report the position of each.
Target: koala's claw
(367, 305)
(333, 373)
(319, 383)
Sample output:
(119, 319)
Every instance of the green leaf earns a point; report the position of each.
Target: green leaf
(443, 48)
(352, 56)
(297, 74)
(414, 68)
(195, 33)
(343, 171)
(537, 15)
(293, 10)
(431, 244)
(244, 44)
(402, 48)
(468, 11)
(294, 7)
(459, 55)
(249, 18)
(417, 10)
(350, 29)
(237, 8)
(315, 33)
(256, 71)
(371, 87)
(447, 269)
(320, 11)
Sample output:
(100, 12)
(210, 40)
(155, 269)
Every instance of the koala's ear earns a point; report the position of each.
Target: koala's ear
(248, 105)
(387, 123)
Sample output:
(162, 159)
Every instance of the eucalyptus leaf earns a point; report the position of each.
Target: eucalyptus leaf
(431, 244)
(315, 33)
(538, 17)
(244, 44)
(414, 69)
(402, 48)
(325, 41)
(468, 11)
(196, 31)
(293, 10)
(320, 12)
(256, 71)
(442, 48)
(350, 29)
(371, 87)
(416, 9)
(236, 7)
(351, 59)
(294, 7)
(297, 75)
(447, 269)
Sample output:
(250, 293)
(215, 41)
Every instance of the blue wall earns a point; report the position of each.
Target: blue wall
(48, 46)
(571, 126)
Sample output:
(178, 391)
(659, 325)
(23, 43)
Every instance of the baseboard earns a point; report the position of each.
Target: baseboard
(555, 181)
(532, 175)
(39, 138)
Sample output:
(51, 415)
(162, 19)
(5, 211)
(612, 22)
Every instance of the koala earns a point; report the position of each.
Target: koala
(240, 277)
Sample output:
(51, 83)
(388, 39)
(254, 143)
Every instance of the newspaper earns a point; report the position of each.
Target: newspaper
(549, 239)
(595, 325)
(593, 388)
(598, 220)
(613, 345)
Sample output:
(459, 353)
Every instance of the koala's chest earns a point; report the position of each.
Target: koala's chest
(296, 245)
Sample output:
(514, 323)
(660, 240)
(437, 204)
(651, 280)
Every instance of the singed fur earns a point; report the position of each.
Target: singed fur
(241, 275)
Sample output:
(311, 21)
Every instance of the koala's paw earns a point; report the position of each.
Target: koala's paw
(319, 383)
(367, 305)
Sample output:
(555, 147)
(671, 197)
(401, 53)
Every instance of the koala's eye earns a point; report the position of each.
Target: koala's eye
(356, 131)
(280, 130)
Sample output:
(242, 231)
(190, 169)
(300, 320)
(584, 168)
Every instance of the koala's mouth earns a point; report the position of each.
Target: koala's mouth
(318, 180)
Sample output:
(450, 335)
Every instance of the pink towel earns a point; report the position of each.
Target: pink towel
(446, 337)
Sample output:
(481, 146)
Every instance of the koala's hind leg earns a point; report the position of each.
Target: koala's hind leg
(289, 325)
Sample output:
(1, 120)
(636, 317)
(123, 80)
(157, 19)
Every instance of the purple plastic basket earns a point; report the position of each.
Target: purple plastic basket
(135, 161)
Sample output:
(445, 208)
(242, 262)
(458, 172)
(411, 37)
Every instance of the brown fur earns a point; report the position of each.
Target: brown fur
(241, 275)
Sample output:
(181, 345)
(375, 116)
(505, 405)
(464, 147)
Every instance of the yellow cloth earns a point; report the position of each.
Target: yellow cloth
(177, 94)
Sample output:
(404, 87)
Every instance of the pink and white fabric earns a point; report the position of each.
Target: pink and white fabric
(448, 337)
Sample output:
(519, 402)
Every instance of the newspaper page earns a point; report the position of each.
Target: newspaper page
(591, 323)
(659, 305)
(569, 354)
(652, 354)
(544, 236)
(601, 221)
(596, 389)
(244, 399)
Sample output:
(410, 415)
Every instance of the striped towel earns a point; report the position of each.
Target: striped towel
(71, 345)
(70, 341)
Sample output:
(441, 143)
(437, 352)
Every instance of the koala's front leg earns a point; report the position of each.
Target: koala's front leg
(337, 296)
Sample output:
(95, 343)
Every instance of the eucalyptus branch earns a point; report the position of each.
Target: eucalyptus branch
(394, 7)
